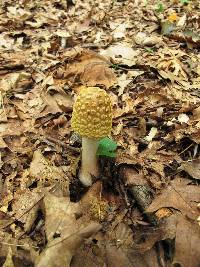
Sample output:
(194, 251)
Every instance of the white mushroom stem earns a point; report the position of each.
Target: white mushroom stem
(89, 165)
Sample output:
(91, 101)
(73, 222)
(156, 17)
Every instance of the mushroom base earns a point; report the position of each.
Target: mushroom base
(89, 166)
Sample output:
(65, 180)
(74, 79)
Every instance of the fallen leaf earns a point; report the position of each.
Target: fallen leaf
(64, 235)
(121, 54)
(39, 103)
(132, 176)
(98, 74)
(11, 83)
(119, 29)
(187, 243)
(123, 82)
(60, 216)
(2, 143)
(92, 69)
(183, 118)
(179, 195)
(45, 173)
(128, 258)
(182, 20)
(192, 168)
(152, 40)
(9, 261)
(26, 205)
(140, 37)
(151, 134)
(18, 13)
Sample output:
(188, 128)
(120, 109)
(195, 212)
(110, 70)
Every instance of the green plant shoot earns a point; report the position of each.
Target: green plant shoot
(184, 2)
(107, 147)
(159, 8)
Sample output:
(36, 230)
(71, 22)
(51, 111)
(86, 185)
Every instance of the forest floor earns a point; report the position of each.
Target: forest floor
(142, 210)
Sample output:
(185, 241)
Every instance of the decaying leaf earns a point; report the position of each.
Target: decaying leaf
(183, 118)
(14, 82)
(64, 235)
(92, 69)
(9, 261)
(26, 205)
(151, 134)
(179, 195)
(130, 258)
(142, 38)
(121, 54)
(187, 243)
(45, 173)
(39, 103)
(192, 168)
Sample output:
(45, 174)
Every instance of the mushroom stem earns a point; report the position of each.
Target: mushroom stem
(89, 160)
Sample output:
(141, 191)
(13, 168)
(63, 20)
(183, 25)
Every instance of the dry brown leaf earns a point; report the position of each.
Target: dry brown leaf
(60, 216)
(116, 255)
(151, 134)
(142, 38)
(123, 81)
(8, 186)
(2, 143)
(13, 82)
(121, 54)
(130, 258)
(92, 69)
(127, 108)
(192, 168)
(93, 256)
(26, 204)
(98, 74)
(63, 101)
(163, 213)
(64, 234)
(39, 103)
(9, 261)
(118, 28)
(132, 176)
(45, 173)
(196, 113)
(187, 243)
(179, 195)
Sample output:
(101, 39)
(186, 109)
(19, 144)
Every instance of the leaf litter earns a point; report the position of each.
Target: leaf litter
(144, 210)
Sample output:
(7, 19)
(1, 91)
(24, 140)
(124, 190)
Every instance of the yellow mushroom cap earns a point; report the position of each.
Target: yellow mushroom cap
(92, 113)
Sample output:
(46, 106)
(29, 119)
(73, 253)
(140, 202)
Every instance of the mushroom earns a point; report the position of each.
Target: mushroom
(92, 120)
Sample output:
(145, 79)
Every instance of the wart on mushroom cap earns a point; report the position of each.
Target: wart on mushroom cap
(92, 119)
